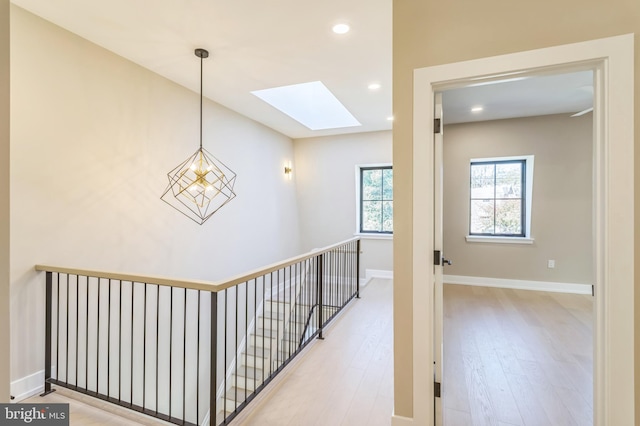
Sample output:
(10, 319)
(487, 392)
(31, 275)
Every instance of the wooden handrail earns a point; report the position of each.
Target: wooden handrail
(193, 284)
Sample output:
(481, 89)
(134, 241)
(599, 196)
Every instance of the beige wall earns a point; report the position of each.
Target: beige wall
(4, 201)
(325, 177)
(427, 33)
(92, 138)
(561, 205)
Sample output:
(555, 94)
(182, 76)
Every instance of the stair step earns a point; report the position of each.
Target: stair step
(251, 361)
(250, 373)
(248, 384)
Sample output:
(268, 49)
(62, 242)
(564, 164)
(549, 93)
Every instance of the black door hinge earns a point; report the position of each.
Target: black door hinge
(436, 257)
(436, 125)
(436, 389)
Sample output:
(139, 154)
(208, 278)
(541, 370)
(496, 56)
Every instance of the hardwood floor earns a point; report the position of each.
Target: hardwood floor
(517, 357)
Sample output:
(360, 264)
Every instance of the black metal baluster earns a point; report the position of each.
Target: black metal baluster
(340, 278)
(290, 309)
(264, 312)
(66, 352)
(320, 293)
(255, 329)
(98, 341)
(77, 323)
(358, 269)
(86, 341)
(133, 299)
(246, 338)
(198, 364)
(109, 339)
(237, 358)
(270, 324)
(170, 346)
(214, 363)
(224, 370)
(184, 359)
(157, 340)
(144, 351)
(47, 335)
(296, 307)
(279, 341)
(120, 344)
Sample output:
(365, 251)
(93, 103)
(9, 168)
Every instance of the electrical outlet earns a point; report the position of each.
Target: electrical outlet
(551, 264)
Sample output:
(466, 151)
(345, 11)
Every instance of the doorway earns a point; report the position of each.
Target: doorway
(612, 62)
(518, 340)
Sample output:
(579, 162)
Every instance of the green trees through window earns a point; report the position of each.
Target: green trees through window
(376, 199)
(497, 204)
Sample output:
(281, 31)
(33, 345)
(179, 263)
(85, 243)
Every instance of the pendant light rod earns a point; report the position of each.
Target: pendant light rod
(201, 53)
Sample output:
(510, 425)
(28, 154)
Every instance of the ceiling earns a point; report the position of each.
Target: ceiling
(567, 93)
(256, 45)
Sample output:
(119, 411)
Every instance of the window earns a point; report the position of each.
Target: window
(500, 201)
(376, 199)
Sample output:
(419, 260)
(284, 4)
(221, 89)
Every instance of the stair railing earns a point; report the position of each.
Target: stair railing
(189, 352)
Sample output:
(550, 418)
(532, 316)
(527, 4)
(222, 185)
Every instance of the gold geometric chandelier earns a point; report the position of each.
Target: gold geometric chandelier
(200, 185)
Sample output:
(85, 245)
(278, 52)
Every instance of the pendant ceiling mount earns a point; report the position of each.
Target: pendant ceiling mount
(200, 185)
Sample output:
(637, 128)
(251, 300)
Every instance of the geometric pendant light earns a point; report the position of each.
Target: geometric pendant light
(200, 185)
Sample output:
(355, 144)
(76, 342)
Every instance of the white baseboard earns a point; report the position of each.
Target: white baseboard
(378, 273)
(573, 288)
(400, 421)
(27, 386)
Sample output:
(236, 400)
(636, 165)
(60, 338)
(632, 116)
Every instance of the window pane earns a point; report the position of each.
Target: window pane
(387, 184)
(509, 180)
(372, 216)
(508, 217)
(482, 188)
(372, 184)
(482, 216)
(482, 171)
(387, 216)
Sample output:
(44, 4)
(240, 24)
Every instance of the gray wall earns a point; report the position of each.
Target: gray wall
(561, 210)
(325, 175)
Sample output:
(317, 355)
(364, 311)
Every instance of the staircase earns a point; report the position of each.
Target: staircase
(278, 332)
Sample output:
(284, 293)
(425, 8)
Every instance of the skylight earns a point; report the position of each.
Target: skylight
(310, 104)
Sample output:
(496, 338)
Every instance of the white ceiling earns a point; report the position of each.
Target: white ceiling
(256, 45)
(541, 95)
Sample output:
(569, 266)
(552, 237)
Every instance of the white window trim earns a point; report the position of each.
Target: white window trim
(498, 239)
(527, 239)
(367, 235)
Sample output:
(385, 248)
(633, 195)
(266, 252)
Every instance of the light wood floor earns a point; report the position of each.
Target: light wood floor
(517, 357)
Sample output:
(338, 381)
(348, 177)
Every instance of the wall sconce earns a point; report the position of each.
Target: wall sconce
(288, 171)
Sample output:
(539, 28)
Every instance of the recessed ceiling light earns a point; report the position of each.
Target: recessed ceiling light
(341, 28)
(311, 104)
(374, 86)
(477, 109)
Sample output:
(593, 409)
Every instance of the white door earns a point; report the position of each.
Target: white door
(438, 258)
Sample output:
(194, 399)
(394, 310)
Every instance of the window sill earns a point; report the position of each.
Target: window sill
(373, 236)
(499, 240)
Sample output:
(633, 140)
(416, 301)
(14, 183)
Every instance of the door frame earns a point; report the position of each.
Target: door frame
(612, 60)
